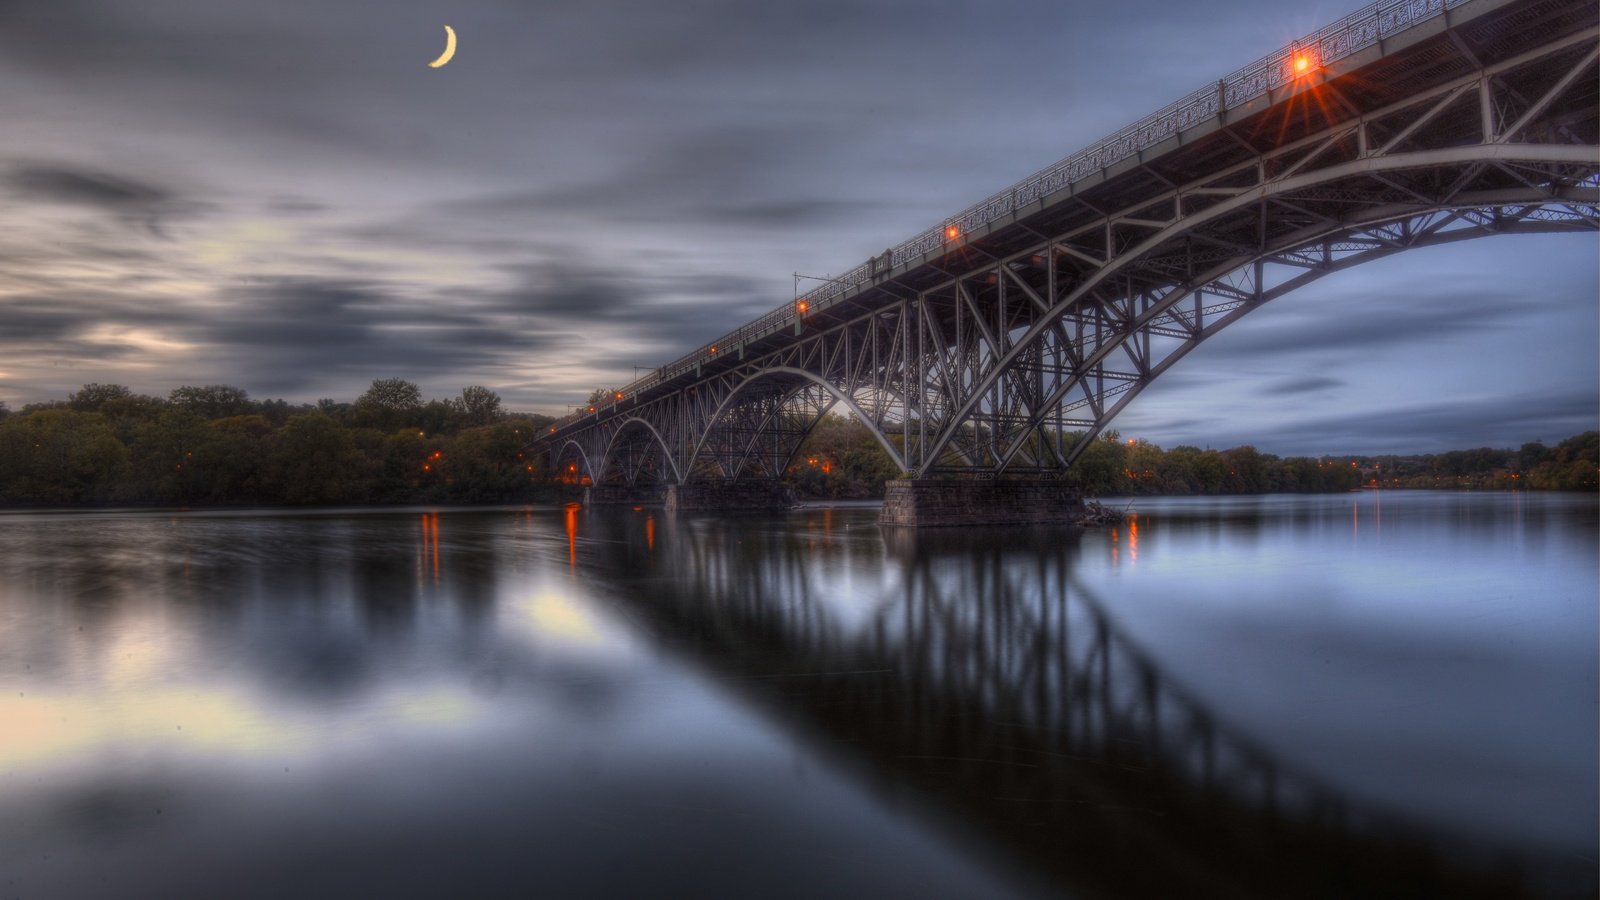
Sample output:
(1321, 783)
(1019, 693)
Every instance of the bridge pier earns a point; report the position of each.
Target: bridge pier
(624, 495)
(930, 502)
(714, 496)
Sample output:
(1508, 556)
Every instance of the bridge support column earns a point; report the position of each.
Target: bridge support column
(928, 502)
(624, 495)
(728, 496)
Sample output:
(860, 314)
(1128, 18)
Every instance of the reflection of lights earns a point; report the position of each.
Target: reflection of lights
(1133, 539)
(572, 535)
(650, 532)
(430, 544)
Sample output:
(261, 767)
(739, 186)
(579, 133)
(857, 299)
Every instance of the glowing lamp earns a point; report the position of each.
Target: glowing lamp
(1302, 64)
(951, 232)
(619, 395)
(800, 306)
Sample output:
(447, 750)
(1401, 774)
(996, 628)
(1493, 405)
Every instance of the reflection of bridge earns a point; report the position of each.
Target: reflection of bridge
(981, 675)
(1005, 339)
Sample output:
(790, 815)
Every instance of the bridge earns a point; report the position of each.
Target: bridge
(1032, 717)
(997, 345)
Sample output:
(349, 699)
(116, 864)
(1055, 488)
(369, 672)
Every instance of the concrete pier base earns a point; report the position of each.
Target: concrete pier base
(624, 495)
(729, 496)
(929, 502)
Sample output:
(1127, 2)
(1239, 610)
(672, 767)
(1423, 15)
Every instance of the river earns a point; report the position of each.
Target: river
(1373, 694)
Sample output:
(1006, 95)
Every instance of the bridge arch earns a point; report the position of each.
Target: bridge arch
(732, 400)
(629, 425)
(1575, 206)
(1306, 278)
(583, 455)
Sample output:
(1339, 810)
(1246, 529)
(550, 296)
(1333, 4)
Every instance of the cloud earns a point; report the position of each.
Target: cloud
(128, 200)
(1346, 321)
(1304, 385)
(1501, 420)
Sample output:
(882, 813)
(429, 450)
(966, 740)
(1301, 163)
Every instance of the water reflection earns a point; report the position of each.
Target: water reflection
(566, 689)
(981, 672)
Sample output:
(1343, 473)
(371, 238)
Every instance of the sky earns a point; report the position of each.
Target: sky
(284, 197)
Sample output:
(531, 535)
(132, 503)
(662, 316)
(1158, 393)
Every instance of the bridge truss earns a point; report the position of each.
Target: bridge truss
(1008, 347)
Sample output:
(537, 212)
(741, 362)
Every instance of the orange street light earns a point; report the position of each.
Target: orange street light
(952, 231)
(800, 306)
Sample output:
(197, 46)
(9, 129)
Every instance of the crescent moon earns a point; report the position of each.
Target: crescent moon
(449, 48)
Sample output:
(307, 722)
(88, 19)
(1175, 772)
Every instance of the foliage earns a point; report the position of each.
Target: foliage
(213, 445)
(841, 460)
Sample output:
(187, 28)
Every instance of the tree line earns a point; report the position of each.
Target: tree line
(841, 459)
(213, 445)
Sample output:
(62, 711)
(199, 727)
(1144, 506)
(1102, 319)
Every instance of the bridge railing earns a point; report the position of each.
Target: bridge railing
(1355, 32)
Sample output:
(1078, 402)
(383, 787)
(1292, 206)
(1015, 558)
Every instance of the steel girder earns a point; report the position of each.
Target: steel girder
(1014, 362)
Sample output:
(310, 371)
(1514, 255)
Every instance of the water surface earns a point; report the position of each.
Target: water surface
(1367, 694)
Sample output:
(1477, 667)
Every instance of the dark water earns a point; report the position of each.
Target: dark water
(1362, 695)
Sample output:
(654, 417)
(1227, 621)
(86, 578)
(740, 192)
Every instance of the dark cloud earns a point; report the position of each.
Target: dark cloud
(1500, 420)
(1304, 385)
(63, 185)
(128, 199)
(290, 335)
(1396, 313)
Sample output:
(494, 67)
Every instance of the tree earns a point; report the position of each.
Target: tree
(313, 460)
(164, 464)
(479, 406)
(388, 404)
(212, 401)
(95, 395)
(60, 456)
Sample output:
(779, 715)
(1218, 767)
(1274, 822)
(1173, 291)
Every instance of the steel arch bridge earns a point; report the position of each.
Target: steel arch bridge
(1004, 340)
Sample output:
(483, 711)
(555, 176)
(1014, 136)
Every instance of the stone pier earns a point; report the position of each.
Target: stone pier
(929, 502)
(731, 496)
(624, 495)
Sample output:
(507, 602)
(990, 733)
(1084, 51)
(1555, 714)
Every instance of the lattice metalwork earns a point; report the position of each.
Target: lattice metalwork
(1010, 347)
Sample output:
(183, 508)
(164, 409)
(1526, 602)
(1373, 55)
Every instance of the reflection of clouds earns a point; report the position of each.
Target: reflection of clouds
(558, 616)
(54, 728)
(142, 651)
(239, 637)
